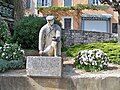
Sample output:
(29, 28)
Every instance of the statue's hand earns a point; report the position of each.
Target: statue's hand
(41, 52)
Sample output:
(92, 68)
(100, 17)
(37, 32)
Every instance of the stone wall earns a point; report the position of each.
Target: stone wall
(71, 37)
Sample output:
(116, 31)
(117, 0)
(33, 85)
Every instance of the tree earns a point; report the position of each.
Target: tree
(18, 9)
(116, 5)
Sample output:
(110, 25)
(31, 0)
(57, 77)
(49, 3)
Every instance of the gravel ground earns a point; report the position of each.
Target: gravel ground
(70, 71)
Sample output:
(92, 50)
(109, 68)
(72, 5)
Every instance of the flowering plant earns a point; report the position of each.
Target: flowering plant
(11, 55)
(92, 60)
(11, 52)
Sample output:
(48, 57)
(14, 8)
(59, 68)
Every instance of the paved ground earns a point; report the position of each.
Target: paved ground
(70, 71)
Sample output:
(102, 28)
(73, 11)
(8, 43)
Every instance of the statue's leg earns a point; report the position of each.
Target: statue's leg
(55, 51)
(59, 49)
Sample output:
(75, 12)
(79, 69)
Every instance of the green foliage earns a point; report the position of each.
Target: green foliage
(3, 65)
(112, 41)
(26, 31)
(11, 57)
(13, 64)
(16, 64)
(77, 7)
(11, 52)
(4, 34)
(64, 48)
(111, 49)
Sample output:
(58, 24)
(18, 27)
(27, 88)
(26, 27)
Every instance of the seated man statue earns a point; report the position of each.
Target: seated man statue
(50, 38)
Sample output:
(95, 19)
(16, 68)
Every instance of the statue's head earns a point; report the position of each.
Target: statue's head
(50, 20)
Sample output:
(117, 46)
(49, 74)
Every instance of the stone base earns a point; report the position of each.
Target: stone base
(44, 66)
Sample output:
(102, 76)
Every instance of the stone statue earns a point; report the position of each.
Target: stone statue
(50, 38)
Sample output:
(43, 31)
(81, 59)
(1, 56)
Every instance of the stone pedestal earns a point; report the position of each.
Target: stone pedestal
(44, 66)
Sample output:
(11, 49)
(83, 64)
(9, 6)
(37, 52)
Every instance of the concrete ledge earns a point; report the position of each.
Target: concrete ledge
(72, 79)
(44, 66)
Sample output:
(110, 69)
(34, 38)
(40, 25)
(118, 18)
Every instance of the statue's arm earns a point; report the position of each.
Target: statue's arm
(58, 33)
(41, 39)
(58, 37)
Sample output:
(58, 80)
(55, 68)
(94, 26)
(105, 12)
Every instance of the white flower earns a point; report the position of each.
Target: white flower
(18, 49)
(98, 54)
(6, 45)
(84, 52)
(94, 57)
(84, 58)
(6, 57)
(91, 59)
(22, 51)
(93, 63)
(0, 47)
(90, 52)
(3, 54)
(105, 64)
(14, 53)
(85, 63)
(101, 65)
(81, 62)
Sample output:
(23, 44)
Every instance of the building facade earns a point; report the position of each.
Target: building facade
(87, 19)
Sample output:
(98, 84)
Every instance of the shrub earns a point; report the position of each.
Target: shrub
(4, 33)
(16, 64)
(13, 64)
(26, 31)
(92, 60)
(111, 49)
(3, 65)
(11, 57)
(12, 52)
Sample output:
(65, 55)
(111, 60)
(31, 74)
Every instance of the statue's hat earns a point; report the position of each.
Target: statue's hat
(50, 17)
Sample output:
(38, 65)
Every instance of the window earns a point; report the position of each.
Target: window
(94, 2)
(114, 27)
(44, 3)
(68, 23)
(67, 2)
(28, 4)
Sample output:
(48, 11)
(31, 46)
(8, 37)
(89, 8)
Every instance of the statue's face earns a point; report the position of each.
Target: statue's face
(50, 22)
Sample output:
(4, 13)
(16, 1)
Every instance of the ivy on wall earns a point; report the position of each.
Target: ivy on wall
(77, 7)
